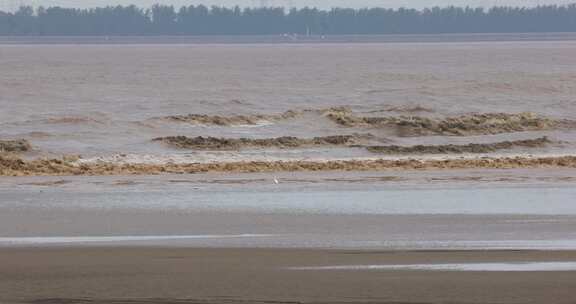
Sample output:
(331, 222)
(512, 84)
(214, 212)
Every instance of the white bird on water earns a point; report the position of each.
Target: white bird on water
(276, 181)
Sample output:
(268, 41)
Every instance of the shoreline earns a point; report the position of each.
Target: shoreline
(279, 39)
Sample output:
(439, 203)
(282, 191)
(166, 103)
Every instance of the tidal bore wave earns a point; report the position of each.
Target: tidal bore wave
(459, 149)
(283, 142)
(14, 166)
(464, 125)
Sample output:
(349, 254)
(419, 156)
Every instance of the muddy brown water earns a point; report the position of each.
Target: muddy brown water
(107, 103)
(98, 100)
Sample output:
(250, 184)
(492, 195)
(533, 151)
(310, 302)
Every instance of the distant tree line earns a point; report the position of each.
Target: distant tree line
(202, 20)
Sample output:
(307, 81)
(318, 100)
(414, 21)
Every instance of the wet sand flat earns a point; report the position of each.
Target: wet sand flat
(488, 210)
(179, 275)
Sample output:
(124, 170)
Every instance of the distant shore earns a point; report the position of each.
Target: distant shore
(294, 39)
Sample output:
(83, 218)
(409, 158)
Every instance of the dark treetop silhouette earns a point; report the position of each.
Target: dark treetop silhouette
(202, 20)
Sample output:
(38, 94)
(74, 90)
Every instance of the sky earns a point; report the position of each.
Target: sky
(6, 4)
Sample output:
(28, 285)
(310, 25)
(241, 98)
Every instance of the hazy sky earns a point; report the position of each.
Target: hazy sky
(319, 3)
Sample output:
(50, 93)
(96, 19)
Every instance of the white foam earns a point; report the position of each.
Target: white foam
(225, 156)
(510, 267)
(16, 241)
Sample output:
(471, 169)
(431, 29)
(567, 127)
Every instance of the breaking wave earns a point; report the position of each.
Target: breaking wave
(284, 142)
(13, 166)
(458, 149)
(464, 125)
(19, 145)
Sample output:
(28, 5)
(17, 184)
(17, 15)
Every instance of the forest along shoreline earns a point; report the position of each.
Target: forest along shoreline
(414, 121)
